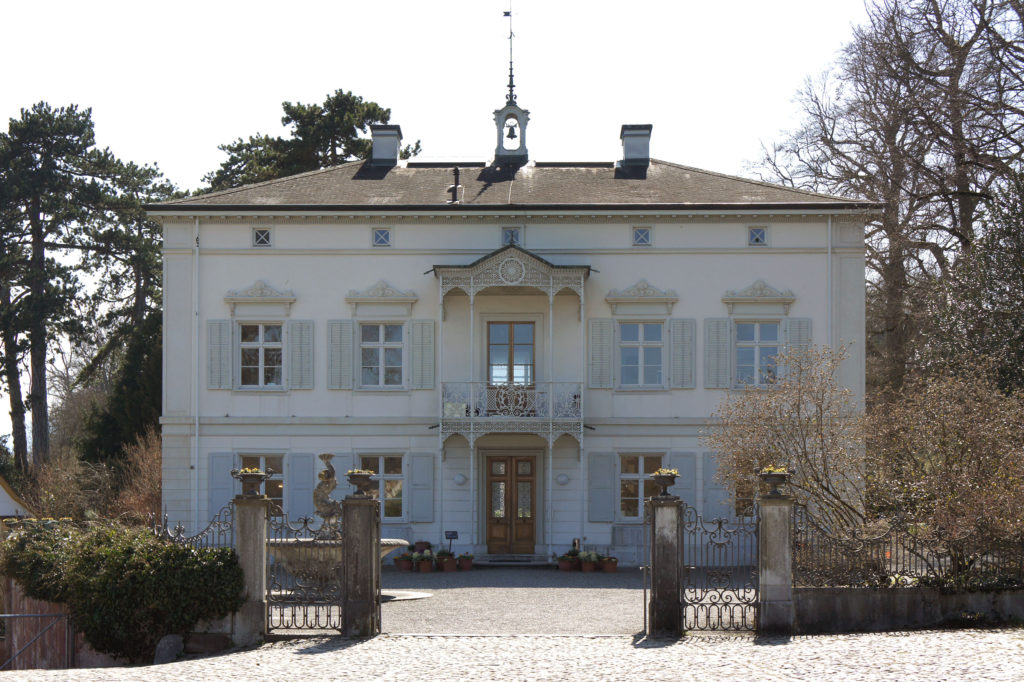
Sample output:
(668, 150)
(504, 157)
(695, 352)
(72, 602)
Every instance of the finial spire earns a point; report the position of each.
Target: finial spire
(511, 79)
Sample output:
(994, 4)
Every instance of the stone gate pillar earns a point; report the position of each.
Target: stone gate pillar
(251, 515)
(666, 608)
(775, 564)
(360, 523)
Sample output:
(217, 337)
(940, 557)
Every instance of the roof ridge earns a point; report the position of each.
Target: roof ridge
(240, 188)
(760, 183)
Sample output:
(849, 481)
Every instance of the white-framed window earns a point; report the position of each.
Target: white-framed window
(641, 354)
(757, 236)
(635, 484)
(274, 486)
(381, 354)
(261, 354)
(512, 236)
(643, 236)
(391, 480)
(381, 236)
(756, 352)
(261, 237)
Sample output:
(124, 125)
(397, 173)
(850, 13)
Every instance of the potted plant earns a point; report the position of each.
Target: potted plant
(252, 480)
(666, 478)
(446, 560)
(465, 561)
(568, 562)
(361, 480)
(403, 562)
(422, 545)
(774, 476)
(589, 561)
(426, 561)
(610, 564)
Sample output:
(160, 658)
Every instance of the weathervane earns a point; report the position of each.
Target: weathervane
(511, 80)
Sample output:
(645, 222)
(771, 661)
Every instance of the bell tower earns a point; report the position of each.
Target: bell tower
(511, 120)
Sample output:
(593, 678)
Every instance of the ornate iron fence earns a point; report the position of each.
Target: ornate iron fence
(897, 554)
(720, 579)
(220, 532)
(304, 585)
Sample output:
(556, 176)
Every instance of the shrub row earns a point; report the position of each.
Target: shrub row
(124, 587)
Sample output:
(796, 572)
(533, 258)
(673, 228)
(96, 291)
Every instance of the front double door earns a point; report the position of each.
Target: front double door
(511, 503)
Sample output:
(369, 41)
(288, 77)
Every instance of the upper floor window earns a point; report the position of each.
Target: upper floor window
(274, 485)
(390, 481)
(261, 355)
(757, 236)
(757, 347)
(641, 354)
(381, 348)
(511, 236)
(382, 236)
(643, 236)
(635, 484)
(510, 355)
(261, 236)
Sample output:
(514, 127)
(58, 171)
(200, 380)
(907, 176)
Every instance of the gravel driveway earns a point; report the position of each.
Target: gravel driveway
(518, 600)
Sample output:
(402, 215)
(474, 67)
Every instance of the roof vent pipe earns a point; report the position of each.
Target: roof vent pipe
(636, 145)
(387, 141)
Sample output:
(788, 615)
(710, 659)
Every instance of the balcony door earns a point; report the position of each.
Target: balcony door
(510, 353)
(511, 503)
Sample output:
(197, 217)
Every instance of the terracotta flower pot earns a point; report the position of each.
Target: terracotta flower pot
(403, 564)
(447, 564)
(566, 565)
(610, 566)
(588, 566)
(465, 564)
(426, 566)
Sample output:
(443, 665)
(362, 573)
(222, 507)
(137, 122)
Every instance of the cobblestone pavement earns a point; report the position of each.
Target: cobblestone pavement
(926, 655)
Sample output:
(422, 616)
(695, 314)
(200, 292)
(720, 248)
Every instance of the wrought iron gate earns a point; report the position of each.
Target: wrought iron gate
(304, 583)
(720, 580)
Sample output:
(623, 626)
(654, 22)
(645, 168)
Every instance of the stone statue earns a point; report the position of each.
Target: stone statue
(326, 508)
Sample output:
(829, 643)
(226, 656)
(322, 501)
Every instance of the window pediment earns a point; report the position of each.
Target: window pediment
(759, 298)
(261, 299)
(642, 299)
(381, 299)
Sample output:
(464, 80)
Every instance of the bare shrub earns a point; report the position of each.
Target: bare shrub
(139, 496)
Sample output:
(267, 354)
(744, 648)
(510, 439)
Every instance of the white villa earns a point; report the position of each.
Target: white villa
(510, 345)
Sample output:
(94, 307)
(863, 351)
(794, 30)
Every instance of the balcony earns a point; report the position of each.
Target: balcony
(547, 409)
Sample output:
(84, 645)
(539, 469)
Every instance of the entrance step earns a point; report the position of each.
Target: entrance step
(512, 560)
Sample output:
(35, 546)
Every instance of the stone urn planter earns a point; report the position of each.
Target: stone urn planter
(773, 479)
(665, 478)
(465, 562)
(362, 480)
(252, 480)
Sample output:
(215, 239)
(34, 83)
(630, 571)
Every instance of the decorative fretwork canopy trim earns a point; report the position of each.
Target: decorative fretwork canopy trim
(512, 266)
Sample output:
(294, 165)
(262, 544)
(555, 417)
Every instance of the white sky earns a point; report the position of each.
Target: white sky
(169, 81)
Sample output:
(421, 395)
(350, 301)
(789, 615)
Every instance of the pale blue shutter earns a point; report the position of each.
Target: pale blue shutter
(421, 354)
(717, 349)
(340, 353)
(300, 354)
(686, 484)
(601, 352)
(299, 479)
(421, 487)
(717, 501)
(601, 487)
(220, 352)
(221, 484)
(683, 344)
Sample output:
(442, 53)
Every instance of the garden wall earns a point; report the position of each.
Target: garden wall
(844, 609)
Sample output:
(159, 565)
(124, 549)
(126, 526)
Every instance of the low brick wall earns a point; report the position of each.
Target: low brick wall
(841, 609)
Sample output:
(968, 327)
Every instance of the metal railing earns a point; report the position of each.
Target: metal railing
(220, 532)
(482, 400)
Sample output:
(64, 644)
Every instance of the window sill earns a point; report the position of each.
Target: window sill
(382, 389)
(642, 389)
(259, 389)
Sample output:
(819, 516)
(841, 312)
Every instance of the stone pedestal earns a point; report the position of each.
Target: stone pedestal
(666, 609)
(251, 515)
(775, 565)
(360, 521)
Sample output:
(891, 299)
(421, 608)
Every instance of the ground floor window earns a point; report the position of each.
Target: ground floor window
(635, 484)
(389, 484)
(274, 486)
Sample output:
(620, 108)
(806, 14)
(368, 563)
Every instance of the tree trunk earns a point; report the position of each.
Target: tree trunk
(13, 377)
(37, 340)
